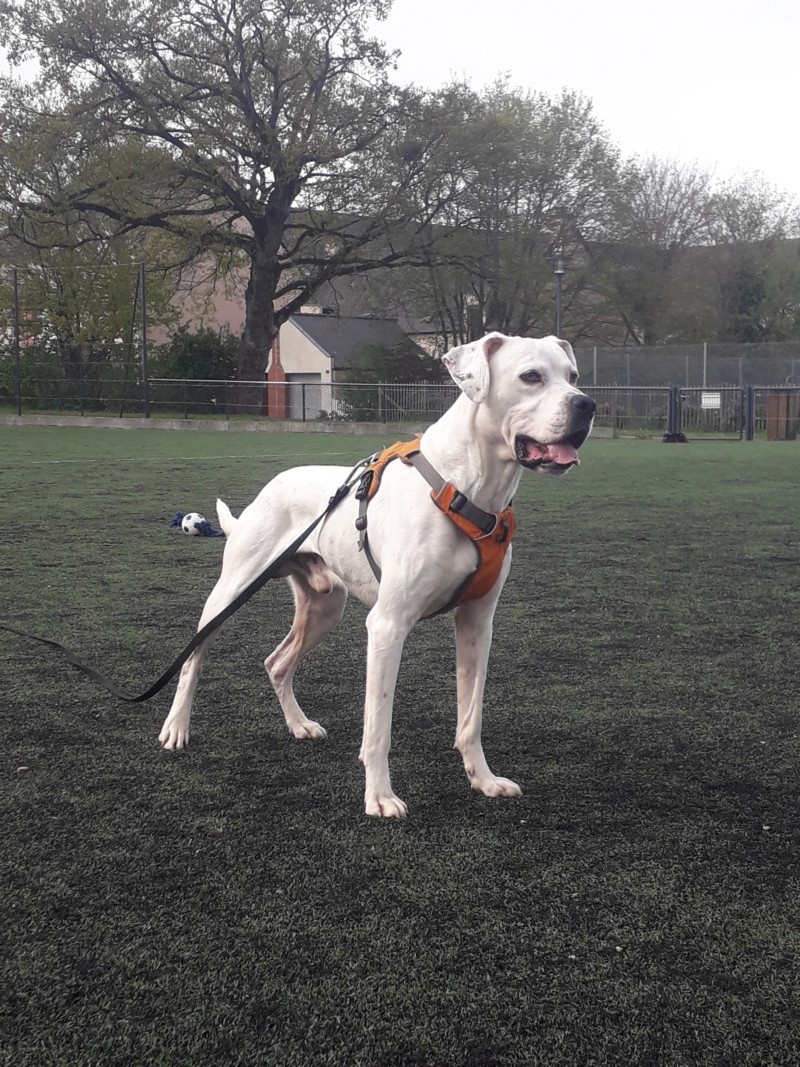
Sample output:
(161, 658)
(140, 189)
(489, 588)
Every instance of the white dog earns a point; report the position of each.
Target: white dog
(520, 408)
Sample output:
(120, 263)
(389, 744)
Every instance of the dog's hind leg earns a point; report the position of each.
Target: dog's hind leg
(473, 641)
(240, 565)
(175, 731)
(319, 599)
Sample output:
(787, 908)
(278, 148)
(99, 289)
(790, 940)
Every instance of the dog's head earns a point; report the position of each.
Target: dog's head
(528, 387)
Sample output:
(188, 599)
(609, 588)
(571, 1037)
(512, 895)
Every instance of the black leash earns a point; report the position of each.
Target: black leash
(262, 579)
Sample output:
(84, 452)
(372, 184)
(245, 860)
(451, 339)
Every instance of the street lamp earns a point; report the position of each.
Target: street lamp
(558, 274)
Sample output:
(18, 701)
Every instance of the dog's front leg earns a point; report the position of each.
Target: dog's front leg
(473, 641)
(384, 649)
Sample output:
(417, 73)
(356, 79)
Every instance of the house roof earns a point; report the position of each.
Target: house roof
(339, 338)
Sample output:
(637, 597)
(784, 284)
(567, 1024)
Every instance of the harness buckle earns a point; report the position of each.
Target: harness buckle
(363, 486)
(361, 523)
(458, 502)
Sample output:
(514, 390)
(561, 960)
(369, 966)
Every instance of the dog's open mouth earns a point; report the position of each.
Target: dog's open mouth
(558, 456)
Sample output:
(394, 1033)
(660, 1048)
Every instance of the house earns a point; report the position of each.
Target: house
(311, 347)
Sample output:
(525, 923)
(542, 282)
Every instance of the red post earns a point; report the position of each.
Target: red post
(275, 392)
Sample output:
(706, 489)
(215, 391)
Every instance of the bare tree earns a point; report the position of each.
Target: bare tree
(756, 261)
(534, 176)
(661, 209)
(265, 132)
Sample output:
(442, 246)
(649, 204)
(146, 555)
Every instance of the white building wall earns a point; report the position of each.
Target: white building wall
(299, 355)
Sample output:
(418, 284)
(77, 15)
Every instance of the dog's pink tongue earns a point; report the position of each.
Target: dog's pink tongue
(563, 454)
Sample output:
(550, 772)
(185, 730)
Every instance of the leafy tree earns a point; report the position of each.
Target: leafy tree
(264, 132)
(533, 175)
(80, 307)
(202, 354)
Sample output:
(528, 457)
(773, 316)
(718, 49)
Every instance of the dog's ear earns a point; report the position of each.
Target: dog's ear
(469, 365)
(567, 348)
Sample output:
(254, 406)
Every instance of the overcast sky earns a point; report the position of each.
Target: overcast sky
(712, 81)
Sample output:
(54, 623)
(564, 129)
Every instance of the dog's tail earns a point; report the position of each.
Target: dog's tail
(226, 520)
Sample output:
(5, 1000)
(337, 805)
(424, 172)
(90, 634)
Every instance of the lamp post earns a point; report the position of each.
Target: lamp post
(558, 275)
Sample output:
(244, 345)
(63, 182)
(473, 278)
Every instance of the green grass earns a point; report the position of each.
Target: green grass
(232, 905)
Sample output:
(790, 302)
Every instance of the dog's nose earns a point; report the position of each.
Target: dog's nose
(583, 404)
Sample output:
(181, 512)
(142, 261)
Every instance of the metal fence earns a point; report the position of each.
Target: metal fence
(114, 387)
(724, 414)
(302, 401)
(42, 382)
(633, 410)
(715, 413)
(702, 366)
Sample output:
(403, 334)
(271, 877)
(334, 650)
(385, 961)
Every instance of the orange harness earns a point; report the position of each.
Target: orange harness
(490, 533)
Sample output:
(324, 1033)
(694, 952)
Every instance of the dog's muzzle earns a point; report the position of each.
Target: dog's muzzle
(557, 457)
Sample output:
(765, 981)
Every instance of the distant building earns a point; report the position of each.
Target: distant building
(309, 350)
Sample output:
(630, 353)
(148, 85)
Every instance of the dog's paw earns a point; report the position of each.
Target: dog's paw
(386, 807)
(308, 730)
(174, 737)
(496, 787)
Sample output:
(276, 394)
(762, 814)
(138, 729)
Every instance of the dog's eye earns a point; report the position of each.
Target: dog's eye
(573, 378)
(532, 377)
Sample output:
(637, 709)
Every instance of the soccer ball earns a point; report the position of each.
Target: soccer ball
(191, 523)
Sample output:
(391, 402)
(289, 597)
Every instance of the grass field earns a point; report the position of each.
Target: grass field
(233, 905)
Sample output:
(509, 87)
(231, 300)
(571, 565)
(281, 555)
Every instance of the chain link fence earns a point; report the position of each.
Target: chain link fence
(706, 366)
(42, 382)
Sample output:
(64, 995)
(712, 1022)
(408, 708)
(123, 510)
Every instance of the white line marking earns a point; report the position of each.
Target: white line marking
(179, 462)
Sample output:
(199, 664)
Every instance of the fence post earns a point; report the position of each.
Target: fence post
(749, 414)
(85, 352)
(594, 378)
(705, 364)
(131, 338)
(17, 360)
(672, 410)
(145, 379)
(303, 398)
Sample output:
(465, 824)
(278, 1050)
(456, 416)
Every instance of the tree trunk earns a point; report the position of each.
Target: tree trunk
(260, 330)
